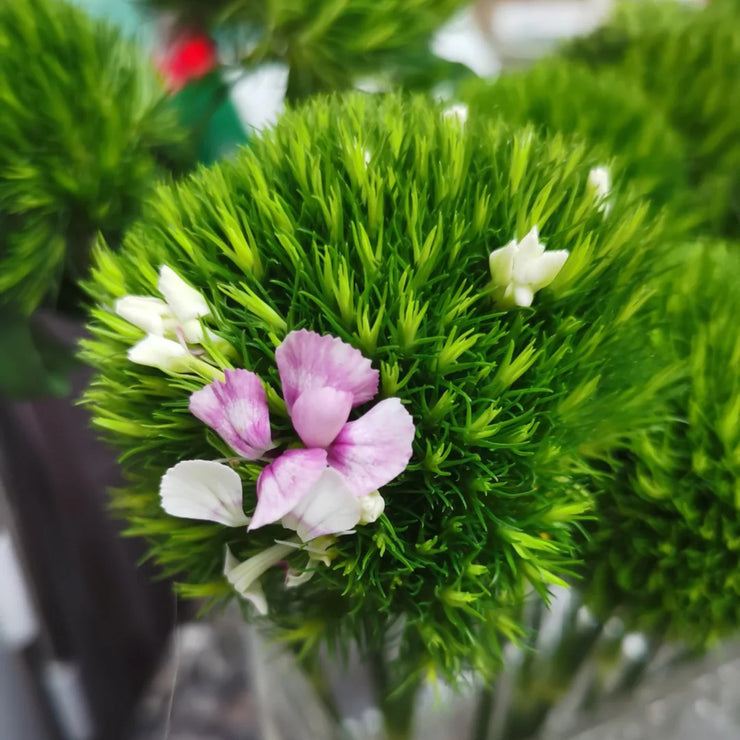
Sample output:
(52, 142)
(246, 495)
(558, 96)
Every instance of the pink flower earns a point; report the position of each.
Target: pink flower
(317, 490)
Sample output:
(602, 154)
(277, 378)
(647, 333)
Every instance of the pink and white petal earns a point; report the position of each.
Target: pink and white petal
(283, 484)
(308, 361)
(237, 410)
(544, 270)
(329, 507)
(244, 576)
(202, 489)
(319, 415)
(376, 448)
(245, 401)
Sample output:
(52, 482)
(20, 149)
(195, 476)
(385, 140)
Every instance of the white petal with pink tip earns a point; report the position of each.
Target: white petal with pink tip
(286, 481)
(330, 507)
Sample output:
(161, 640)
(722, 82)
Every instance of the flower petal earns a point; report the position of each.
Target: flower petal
(237, 410)
(329, 507)
(202, 489)
(145, 312)
(523, 295)
(244, 577)
(308, 361)
(501, 264)
(530, 247)
(185, 301)
(319, 415)
(283, 484)
(457, 111)
(541, 272)
(376, 448)
(161, 353)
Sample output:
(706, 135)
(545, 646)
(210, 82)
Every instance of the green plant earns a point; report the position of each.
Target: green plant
(329, 44)
(686, 59)
(609, 112)
(373, 220)
(83, 134)
(666, 545)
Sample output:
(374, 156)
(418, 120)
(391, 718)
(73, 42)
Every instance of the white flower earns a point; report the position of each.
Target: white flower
(161, 353)
(459, 111)
(186, 302)
(176, 317)
(244, 577)
(145, 312)
(600, 181)
(520, 269)
(372, 506)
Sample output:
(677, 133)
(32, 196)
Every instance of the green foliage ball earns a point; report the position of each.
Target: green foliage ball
(326, 44)
(372, 219)
(83, 126)
(666, 546)
(686, 59)
(610, 112)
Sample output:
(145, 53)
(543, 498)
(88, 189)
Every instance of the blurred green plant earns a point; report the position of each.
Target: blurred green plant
(84, 132)
(686, 58)
(372, 219)
(606, 110)
(329, 45)
(665, 547)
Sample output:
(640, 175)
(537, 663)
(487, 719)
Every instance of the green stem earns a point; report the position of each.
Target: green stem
(483, 713)
(396, 705)
(317, 678)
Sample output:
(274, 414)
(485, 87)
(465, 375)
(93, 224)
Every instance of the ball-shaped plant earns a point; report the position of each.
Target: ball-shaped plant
(607, 110)
(666, 544)
(373, 253)
(686, 59)
(83, 125)
(327, 45)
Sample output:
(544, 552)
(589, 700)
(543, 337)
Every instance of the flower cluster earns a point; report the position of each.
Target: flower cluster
(511, 357)
(321, 489)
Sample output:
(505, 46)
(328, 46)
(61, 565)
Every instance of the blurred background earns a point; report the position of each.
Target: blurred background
(92, 645)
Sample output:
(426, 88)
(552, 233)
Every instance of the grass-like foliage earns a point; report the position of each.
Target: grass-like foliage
(667, 542)
(391, 255)
(327, 44)
(83, 123)
(608, 111)
(687, 60)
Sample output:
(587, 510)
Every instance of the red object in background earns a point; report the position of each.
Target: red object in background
(189, 57)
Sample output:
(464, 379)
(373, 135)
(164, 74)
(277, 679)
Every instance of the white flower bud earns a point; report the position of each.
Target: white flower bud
(599, 179)
(459, 111)
(373, 505)
(520, 269)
